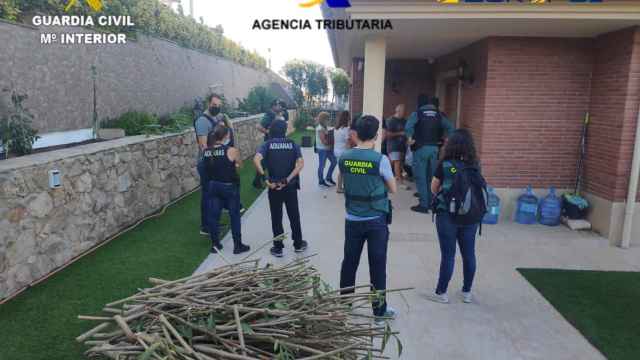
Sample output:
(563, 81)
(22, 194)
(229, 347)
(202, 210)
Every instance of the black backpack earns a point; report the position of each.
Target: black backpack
(467, 198)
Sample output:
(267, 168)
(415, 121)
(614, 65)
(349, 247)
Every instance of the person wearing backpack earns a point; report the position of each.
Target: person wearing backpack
(204, 125)
(459, 206)
(426, 129)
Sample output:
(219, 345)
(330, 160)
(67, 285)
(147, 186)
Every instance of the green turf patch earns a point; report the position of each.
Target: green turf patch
(603, 305)
(42, 323)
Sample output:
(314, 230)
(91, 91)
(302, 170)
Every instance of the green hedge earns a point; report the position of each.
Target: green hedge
(151, 17)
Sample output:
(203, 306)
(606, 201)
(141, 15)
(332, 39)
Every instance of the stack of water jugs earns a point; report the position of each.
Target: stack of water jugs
(546, 211)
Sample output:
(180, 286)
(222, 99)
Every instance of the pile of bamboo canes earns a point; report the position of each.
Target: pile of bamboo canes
(241, 311)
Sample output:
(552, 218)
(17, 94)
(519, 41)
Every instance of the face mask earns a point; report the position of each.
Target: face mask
(214, 110)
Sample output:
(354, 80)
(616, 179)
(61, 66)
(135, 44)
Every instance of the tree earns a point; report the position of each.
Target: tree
(339, 83)
(308, 79)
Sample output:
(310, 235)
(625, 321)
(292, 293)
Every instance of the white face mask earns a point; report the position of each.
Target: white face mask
(227, 141)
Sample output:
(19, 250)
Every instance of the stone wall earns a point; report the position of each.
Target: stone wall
(147, 74)
(106, 187)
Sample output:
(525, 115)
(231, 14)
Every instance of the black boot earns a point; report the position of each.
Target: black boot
(240, 248)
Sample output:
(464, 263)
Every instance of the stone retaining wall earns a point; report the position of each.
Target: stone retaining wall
(106, 187)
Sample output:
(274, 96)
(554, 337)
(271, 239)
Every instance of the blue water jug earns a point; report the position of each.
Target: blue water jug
(527, 207)
(550, 209)
(493, 208)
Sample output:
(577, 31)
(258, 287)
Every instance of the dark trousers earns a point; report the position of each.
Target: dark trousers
(289, 198)
(376, 233)
(223, 196)
(450, 233)
(203, 197)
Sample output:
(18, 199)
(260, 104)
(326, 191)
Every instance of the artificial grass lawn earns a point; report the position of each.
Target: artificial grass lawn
(604, 306)
(42, 323)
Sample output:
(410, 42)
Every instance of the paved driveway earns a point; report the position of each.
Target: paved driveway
(510, 320)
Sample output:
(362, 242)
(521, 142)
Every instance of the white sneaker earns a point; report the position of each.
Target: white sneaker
(389, 315)
(467, 297)
(439, 298)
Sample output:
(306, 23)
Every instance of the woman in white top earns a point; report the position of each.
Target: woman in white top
(324, 147)
(342, 142)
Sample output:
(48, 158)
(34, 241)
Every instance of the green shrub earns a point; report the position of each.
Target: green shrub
(16, 133)
(303, 120)
(257, 101)
(132, 122)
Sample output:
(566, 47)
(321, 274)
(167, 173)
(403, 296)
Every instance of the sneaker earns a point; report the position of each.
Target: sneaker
(330, 182)
(389, 314)
(241, 248)
(324, 184)
(204, 232)
(302, 247)
(276, 251)
(439, 298)
(420, 209)
(340, 191)
(467, 298)
(408, 188)
(216, 247)
(416, 194)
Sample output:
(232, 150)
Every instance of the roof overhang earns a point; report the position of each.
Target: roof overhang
(427, 29)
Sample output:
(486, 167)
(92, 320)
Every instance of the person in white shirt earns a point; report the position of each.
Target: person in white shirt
(342, 142)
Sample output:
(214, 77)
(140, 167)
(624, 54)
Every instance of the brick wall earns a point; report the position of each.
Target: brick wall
(473, 95)
(404, 81)
(614, 106)
(537, 94)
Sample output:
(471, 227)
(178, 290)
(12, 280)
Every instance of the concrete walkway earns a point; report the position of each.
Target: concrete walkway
(510, 320)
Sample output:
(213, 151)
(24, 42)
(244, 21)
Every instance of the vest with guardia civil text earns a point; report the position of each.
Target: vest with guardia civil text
(364, 188)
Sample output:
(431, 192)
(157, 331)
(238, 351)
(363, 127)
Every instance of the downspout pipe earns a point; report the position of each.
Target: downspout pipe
(633, 189)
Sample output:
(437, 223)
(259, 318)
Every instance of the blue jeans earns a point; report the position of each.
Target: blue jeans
(219, 196)
(448, 234)
(376, 233)
(425, 160)
(324, 155)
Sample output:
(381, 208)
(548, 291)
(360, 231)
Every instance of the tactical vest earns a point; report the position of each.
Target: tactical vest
(218, 167)
(449, 170)
(428, 129)
(281, 159)
(364, 188)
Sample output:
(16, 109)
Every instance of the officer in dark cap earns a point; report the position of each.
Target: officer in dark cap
(275, 113)
(283, 160)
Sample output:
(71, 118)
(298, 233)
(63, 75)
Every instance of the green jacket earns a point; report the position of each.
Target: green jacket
(365, 190)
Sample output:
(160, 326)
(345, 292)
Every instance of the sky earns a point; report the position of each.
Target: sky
(237, 18)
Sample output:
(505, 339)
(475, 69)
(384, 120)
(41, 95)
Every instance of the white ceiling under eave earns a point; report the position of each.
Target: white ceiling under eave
(423, 30)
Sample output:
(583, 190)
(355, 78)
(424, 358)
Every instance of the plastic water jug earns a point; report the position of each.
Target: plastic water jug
(550, 209)
(493, 209)
(527, 207)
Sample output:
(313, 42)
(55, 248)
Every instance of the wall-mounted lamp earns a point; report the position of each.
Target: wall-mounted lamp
(464, 73)
(360, 65)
